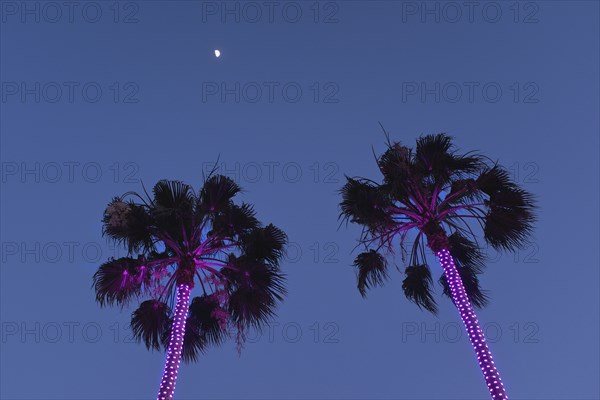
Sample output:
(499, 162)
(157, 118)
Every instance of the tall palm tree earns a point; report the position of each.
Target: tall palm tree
(180, 236)
(437, 194)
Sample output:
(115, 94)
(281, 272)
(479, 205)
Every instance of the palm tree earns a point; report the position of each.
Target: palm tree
(180, 236)
(437, 193)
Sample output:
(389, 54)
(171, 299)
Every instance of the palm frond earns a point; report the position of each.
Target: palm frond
(206, 325)
(216, 194)
(433, 147)
(371, 270)
(264, 244)
(254, 289)
(509, 220)
(432, 155)
(436, 158)
(417, 287)
(470, 282)
(364, 203)
(494, 179)
(173, 208)
(150, 322)
(194, 343)
(208, 318)
(466, 253)
(508, 228)
(128, 224)
(462, 191)
(234, 221)
(174, 195)
(395, 165)
(465, 165)
(119, 280)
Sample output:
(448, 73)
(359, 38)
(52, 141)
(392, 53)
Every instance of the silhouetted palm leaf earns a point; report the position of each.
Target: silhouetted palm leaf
(371, 270)
(194, 343)
(432, 155)
(254, 289)
(150, 322)
(435, 157)
(508, 228)
(417, 287)
(464, 165)
(235, 221)
(471, 283)
(173, 208)
(265, 244)
(395, 165)
(128, 224)
(216, 194)
(208, 319)
(494, 179)
(509, 220)
(174, 195)
(466, 253)
(364, 203)
(117, 281)
(463, 191)
(206, 325)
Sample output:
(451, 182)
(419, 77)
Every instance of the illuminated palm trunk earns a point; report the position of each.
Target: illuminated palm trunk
(169, 379)
(484, 356)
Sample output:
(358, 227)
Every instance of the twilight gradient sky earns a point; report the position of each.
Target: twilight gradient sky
(98, 97)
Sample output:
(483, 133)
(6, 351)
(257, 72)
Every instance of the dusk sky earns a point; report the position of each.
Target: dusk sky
(100, 97)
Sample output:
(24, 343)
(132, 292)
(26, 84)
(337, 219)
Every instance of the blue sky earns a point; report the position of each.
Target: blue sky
(98, 97)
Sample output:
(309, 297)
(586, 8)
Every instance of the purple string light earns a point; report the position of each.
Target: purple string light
(169, 379)
(484, 356)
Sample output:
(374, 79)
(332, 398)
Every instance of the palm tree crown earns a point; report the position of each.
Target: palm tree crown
(180, 238)
(437, 193)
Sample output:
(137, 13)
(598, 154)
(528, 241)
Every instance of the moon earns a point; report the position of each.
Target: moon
(217, 53)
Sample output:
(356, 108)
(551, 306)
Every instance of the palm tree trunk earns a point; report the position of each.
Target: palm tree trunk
(459, 295)
(169, 379)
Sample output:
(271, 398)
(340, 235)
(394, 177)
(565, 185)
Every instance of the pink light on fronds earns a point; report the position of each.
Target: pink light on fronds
(167, 385)
(467, 314)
